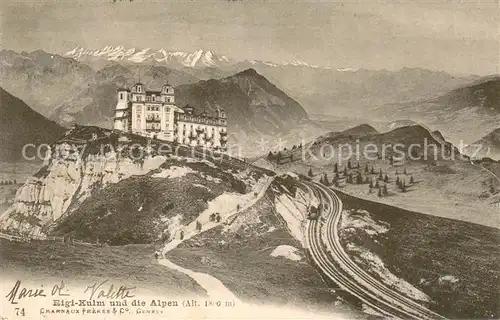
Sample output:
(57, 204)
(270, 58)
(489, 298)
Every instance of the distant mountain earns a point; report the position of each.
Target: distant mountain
(252, 103)
(484, 94)
(461, 115)
(352, 92)
(20, 125)
(399, 139)
(42, 79)
(488, 146)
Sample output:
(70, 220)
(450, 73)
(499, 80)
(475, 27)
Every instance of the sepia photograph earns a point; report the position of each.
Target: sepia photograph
(249, 159)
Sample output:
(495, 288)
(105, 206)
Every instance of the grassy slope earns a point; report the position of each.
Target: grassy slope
(458, 189)
(421, 248)
(132, 265)
(240, 258)
(146, 201)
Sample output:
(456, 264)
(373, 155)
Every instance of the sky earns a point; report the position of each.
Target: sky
(460, 37)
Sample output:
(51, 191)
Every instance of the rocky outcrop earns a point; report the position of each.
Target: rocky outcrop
(68, 177)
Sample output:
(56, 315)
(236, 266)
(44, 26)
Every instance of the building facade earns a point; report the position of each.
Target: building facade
(154, 114)
(201, 129)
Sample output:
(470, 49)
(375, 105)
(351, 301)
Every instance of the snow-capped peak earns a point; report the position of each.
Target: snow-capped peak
(198, 58)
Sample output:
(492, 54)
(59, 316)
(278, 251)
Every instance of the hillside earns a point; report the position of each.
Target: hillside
(487, 146)
(252, 103)
(484, 94)
(43, 80)
(450, 265)
(96, 175)
(260, 256)
(20, 125)
(394, 143)
(458, 188)
(462, 114)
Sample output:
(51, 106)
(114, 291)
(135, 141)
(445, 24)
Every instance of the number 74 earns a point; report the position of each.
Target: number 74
(20, 312)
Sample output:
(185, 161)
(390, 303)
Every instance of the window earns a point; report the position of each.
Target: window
(153, 98)
(121, 96)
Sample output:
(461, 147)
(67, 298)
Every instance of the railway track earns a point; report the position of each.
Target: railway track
(335, 263)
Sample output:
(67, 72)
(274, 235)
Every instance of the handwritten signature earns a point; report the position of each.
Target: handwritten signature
(19, 292)
(96, 291)
(99, 291)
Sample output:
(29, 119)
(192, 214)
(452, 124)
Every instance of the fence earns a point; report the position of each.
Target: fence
(28, 238)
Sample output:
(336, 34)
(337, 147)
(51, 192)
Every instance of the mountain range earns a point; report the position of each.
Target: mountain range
(80, 87)
(196, 59)
(320, 89)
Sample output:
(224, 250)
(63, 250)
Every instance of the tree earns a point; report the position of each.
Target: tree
(367, 180)
(322, 180)
(411, 180)
(391, 160)
(385, 190)
(386, 178)
(349, 166)
(366, 168)
(336, 176)
(379, 193)
(335, 168)
(404, 172)
(294, 147)
(380, 177)
(492, 189)
(371, 183)
(403, 186)
(310, 173)
(345, 171)
(372, 171)
(238, 207)
(325, 180)
(359, 179)
(377, 185)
